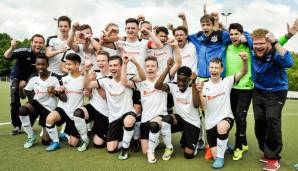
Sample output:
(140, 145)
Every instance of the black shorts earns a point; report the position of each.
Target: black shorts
(115, 128)
(40, 111)
(212, 133)
(145, 129)
(70, 128)
(190, 133)
(136, 97)
(101, 122)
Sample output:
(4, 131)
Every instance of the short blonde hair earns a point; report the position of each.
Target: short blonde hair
(259, 33)
(110, 25)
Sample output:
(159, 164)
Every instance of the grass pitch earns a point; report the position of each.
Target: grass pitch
(14, 157)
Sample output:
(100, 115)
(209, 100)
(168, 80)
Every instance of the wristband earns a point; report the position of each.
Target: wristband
(289, 35)
(274, 43)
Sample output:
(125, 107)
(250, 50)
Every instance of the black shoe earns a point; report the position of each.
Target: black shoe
(16, 130)
(135, 145)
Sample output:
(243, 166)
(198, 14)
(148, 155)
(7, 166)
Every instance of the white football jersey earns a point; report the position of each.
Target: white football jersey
(218, 105)
(138, 49)
(119, 98)
(40, 87)
(154, 102)
(74, 92)
(189, 56)
(162, 55)
(54, 62)
(87, 56)
(184, 105)
(99, 103)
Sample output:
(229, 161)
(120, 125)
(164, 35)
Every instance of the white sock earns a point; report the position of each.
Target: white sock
(166, 134)
(53, 132)
(81, 125)
(127, 136)
(27, 125)
(221, 147)
(137, 131)
(119, 145)
(153, 141)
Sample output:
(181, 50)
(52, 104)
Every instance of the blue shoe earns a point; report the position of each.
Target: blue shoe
(218, 163)
(53, 146)
(62, 136)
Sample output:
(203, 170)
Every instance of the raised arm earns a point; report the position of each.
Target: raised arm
(13, 46)
(124, 80)
(178, 61)
(182, 16)
(88, 83)
(243, 70)
(195, 93)
(156, 42)
(202, 99)
(159, 83)
(70, 40)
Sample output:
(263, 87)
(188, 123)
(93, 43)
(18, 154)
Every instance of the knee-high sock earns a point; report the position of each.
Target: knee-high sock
(81, 125)
(221, 147)
(53, 132)
(137, 131)
(27, 125)
(166, 134)
(127, 136)
(153, 141)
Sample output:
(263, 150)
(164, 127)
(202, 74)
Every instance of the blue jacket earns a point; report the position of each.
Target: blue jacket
(269, 73)
(208, 48)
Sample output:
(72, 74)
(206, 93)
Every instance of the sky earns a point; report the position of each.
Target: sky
(22, 19)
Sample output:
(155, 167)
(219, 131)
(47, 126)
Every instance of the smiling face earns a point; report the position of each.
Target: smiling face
(151, 68)
(235, 36)
(163, 37)
(261, 46)
(64, 27)
(71, 66)
(132, 30)
(182, 82)
(37, 44)
(102, 62)
(115, 68)
(215, 69)
(148, 27)
(41, 65)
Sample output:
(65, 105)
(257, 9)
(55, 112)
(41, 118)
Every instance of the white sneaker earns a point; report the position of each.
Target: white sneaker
(151, 158)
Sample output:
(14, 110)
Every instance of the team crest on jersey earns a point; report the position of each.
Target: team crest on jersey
(214, 38)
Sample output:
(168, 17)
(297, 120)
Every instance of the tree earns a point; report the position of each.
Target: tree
(6, 65)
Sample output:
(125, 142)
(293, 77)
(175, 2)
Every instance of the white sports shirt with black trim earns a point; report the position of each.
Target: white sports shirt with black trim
(184, 105)
(138, 49)
(162, 55)
(74, 92)
(54, 61)
(217, 97)
(40, 88)
(119, 97)
(189, 56)
(154, 102)
(98, 102)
